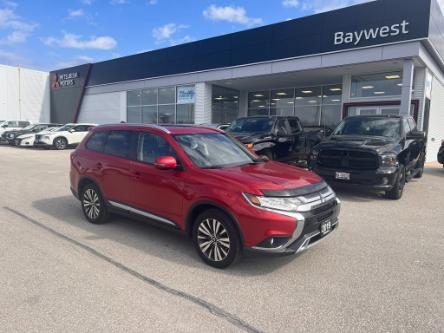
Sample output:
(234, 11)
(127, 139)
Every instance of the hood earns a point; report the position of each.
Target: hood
(374, 143)
(249, 137)
(265, 176)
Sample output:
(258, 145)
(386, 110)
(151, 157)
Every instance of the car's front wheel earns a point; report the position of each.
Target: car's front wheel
(93, 204)
(398, 188)
(216, 239)
(60, 143)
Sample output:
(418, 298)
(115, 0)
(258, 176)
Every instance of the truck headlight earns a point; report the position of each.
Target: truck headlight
(285, 204)
(389, 160)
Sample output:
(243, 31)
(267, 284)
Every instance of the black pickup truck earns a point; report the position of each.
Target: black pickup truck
(279, 138)
(378, 152)
(441, 153)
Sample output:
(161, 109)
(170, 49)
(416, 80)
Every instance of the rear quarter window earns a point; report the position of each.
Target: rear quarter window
(97, 141)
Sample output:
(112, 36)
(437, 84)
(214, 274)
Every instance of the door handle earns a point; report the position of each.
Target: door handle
(137, 175)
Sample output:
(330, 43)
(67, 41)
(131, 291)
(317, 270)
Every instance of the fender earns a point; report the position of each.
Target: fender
(189, 220)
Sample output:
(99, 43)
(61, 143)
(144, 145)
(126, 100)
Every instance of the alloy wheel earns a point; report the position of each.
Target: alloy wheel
(213, 239)
(60, 144)
(91, 204)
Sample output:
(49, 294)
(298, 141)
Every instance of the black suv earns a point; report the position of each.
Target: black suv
(34, 128)
(277, 137)
(379, 152)
(441, 153)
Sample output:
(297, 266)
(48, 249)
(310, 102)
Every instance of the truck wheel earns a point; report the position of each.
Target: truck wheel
(398, 188)
(269, 153)
(216, 239)
(420, 170)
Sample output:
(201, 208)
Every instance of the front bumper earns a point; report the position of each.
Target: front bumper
(382, 179)
(308, 228)
(42, 144)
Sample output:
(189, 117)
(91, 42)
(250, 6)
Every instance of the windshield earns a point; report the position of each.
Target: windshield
(29, 127)
(388, 127)
(65, 128)
(214, 150)
(251, 125)
(52, 129)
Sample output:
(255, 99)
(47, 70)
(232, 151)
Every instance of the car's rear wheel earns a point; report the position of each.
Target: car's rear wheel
(93, 204)
(60, 143)
(398, 188)
(216, 239)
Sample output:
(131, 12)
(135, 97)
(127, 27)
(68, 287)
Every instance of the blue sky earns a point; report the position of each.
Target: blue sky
(50, 34)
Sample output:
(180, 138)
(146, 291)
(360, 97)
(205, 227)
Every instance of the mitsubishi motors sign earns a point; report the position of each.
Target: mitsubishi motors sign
(64, 80)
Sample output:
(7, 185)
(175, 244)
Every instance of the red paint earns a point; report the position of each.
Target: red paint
(172, 193)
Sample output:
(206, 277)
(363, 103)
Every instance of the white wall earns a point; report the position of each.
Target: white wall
(103, 108)
(436, 121)
(24, 94)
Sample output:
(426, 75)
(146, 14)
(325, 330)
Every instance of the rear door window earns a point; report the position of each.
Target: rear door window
(121, 144)
(97, 141)
(152, 146)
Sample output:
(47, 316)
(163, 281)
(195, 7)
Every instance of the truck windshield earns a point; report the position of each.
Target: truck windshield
(387, 127)
(214, 150)
(251, 125)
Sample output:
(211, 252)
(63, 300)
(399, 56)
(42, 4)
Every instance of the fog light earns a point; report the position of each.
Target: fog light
(273, 242)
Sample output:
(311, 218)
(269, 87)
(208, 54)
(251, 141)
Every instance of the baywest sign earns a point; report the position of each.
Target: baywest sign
(382, 32)
(64, 80)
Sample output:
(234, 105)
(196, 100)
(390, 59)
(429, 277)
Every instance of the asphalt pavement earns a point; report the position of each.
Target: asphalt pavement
(381, 271)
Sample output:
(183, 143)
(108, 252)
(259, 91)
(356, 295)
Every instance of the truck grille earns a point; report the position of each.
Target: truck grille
(348, 159)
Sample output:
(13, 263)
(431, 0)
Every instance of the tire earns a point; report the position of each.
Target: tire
(398, 188)
(93, 205)
(60, 143)
(420, 170)
(269, 153)
(220, 249)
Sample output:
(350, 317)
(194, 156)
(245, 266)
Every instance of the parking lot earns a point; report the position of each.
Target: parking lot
(381, 271)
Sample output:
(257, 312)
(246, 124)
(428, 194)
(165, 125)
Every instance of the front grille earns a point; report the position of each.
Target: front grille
(348, 159)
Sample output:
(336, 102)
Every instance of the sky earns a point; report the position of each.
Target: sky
(52, 34)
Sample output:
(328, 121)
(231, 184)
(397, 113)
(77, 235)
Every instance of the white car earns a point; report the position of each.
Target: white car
(12, 125)
(27, 140)
(65, 136)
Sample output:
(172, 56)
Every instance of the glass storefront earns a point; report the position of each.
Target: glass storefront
(377, 85)
(315, 106)
(165, 105)
(225, 105)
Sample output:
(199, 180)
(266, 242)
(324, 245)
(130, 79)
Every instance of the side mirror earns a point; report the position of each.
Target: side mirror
(165, 163)
(71, 130)
(416, 135)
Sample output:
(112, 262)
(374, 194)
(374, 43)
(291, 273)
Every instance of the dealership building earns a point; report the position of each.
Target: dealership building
(378, 58)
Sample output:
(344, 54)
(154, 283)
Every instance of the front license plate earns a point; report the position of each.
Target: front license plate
(325, 227)
(342, 175)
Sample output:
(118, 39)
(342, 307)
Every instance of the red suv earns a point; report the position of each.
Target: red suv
(204, 183)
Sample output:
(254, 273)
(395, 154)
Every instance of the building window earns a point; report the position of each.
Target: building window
(282, 102)
(259, 103)
(377, 85)
(315, 106)
(225, 105)
(161, 105)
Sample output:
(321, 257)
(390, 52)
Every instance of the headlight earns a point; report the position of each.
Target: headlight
(24, 137)
(285, 204)
(389, 160)
(46, 137)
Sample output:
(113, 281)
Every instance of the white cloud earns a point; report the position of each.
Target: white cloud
(76, 13)
(230, 14)
(166, 31)
(290, 3)
(79, 60)
(319, 6)
(87, 2)
(152, 2)
(119, 2)
(17, 30)
(74, 41)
